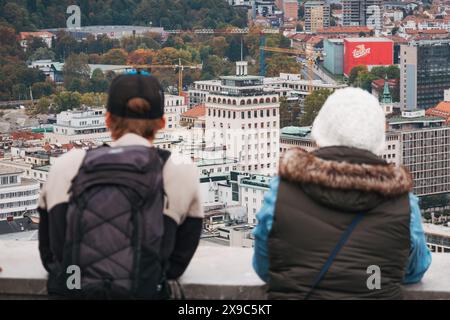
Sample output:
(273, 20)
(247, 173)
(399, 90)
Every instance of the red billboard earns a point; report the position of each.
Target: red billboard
(368, 52)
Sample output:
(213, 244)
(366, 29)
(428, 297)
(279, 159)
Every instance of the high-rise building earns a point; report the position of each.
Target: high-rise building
(425, 150)
(317, 15)
(363, 13)
(289, 8)
(424, 74)
(243, 119)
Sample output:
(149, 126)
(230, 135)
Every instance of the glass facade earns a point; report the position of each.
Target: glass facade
(433, 73)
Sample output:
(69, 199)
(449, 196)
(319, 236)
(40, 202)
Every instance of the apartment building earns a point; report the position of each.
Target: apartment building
(243, 118)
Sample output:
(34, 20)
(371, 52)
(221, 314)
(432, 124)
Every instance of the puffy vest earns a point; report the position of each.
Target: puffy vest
(318, 197)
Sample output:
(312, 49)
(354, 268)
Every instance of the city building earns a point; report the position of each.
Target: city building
(194, 117)
(289, 8)
(174, 107)
(442, 110)
(425, 73)
(363, 13)
(78, 125)
(385, 98)
(243, 118)
(200, 89)
(18, 199)
(24, 37)
(369, 52)
(317, 15)
(345, 31)
(378, 86)
(425, 150)
(296, 137)
(334, 56)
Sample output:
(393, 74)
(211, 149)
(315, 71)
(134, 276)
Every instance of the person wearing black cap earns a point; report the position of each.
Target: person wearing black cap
(118, 211)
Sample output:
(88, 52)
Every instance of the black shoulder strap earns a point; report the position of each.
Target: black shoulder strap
(345, 236)
(164, 155)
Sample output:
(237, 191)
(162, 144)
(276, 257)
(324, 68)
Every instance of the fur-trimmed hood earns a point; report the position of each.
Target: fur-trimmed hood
(347, 178)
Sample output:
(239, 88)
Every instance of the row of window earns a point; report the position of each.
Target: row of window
(242, 102)
(262, 166)
(219, 113)
(257, 156)
(219, 170)
(9, 180)
(18, 194)
(16, 204)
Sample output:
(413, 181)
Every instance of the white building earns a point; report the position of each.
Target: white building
(174, 106)
(197, 95)
(44, 35)
(78, 125)
(18, 195)
(243, 118)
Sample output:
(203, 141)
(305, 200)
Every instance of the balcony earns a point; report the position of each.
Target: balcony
(214, 273)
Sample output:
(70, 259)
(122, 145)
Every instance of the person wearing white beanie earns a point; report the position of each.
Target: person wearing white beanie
(335, 213)
(351, 117)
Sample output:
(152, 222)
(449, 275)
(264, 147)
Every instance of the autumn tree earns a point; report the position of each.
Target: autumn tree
(281, 63)
(115, 56)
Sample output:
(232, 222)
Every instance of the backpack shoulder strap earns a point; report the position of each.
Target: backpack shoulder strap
(345, 236)
(163, 154)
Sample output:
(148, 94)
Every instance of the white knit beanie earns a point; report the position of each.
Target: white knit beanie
(351, 117)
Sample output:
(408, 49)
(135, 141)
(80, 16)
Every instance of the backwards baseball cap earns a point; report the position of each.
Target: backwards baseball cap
(136, 84)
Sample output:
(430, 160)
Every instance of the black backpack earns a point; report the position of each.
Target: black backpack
(115, 224)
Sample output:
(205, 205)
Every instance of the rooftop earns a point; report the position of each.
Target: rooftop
(4, 170)
(214, 273)
(196, 112)
(296, 131)
(368, 40)
(257, 180)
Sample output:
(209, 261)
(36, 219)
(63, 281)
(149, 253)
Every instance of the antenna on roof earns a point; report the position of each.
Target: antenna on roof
(242, 48)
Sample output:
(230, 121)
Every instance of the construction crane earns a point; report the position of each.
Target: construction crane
(310, 60)
(181, 67)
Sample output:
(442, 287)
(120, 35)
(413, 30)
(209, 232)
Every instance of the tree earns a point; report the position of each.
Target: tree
(66, 100)
(34, 43)
(289, 113)
(98, 81)
(115, 56)
(281, 63)
(43, 105)
(94, 99)
(354, 73)
(42, 89)
(42, 54)
(313, 104)
(142, 56)
(76, 72)
(65, 45)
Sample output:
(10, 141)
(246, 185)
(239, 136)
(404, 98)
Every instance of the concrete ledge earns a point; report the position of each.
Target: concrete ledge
(215, 273)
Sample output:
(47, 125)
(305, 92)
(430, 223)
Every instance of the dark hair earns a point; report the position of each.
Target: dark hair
(146, 128)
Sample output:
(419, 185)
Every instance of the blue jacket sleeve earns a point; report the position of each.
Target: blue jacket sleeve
(419, 254)
(262, 230)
